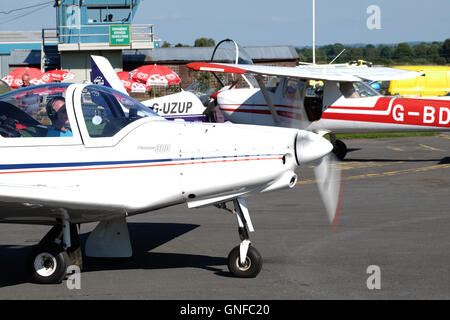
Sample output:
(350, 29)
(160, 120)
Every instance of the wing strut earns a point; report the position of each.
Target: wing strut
(268, 99)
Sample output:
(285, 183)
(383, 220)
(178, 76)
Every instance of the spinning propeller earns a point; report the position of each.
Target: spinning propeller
(311, 147)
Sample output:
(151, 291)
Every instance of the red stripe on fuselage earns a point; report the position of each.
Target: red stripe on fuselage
(140, 166)
(403, 111)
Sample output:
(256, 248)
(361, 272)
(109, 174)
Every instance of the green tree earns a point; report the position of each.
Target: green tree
(355, 53)
(446, 50)
(180, 45)
(386, 52)
(403, 52)
(204, 42)
(433, 53)
(305, 55)
(370, 52)
(421, 50)
(165, 45)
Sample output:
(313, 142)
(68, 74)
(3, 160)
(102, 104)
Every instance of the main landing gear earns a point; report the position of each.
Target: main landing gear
(59, 249)
(244, 261)
(340, 149)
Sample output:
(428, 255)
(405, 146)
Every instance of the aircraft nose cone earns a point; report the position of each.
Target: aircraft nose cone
(311, 146)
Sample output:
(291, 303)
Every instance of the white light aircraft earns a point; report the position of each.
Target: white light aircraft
(79, 153)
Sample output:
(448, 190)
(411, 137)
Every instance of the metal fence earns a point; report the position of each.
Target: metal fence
(82, 34)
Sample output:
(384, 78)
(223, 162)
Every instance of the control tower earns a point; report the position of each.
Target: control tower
(99, 27)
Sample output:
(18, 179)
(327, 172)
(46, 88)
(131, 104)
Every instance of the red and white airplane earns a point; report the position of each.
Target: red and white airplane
(343, 104)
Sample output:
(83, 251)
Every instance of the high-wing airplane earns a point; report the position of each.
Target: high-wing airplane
(78, 153)
(343, 104)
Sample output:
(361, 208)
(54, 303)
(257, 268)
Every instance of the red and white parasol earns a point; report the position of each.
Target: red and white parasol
(60, 75)
(14, 78)
(155, 75)
(130, 84)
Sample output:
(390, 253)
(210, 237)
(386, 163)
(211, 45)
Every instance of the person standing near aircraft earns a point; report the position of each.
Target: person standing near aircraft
(26, 80)
(56, 111)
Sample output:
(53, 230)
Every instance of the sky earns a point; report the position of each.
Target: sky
(270, 22)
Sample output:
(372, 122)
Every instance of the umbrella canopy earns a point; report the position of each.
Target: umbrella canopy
(155, 75)
(60, 75)
(131, 84)
(14, 78)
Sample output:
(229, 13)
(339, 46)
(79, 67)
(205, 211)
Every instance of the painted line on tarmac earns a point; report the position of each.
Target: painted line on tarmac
(444, 136)
(395, 148)
(387, 173)
(371, 164)
(430, 148)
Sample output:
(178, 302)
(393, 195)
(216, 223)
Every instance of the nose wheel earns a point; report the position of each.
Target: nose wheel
(250, 268)
(244, 261)
(340, 149)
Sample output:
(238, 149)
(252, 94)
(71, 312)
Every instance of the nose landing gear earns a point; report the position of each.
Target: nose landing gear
(244, 261)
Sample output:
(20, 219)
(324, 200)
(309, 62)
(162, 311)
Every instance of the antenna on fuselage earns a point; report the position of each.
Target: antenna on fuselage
(335, 58)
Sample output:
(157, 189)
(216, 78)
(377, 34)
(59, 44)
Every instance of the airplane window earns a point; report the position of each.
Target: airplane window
(107, 111)
(37, 111)
(351, 90)
(293, 89)
(272, 84)
(365, 90)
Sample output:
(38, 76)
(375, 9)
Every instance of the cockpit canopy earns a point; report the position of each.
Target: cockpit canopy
(107, 111)
(29, 112)
(40, 111)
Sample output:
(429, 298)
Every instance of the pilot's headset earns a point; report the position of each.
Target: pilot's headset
(52, 113)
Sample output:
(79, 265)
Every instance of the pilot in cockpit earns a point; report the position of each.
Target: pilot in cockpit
(56, 111)
(348, 90)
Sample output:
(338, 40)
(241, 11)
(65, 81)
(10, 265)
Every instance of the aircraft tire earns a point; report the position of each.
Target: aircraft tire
(252, 266)
(48, 264)
(340, 150)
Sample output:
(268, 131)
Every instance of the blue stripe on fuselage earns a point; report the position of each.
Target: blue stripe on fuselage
(106, 163)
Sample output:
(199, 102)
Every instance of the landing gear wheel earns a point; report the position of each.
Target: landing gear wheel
(251, 267)
(340, 150)
(48, 264)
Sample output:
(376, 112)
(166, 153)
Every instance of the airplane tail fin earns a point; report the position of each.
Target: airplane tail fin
(103, 74)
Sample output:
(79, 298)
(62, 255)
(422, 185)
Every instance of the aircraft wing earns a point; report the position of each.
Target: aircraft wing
(377, 73)
(313, 72)
(297, 72)
(43, 204)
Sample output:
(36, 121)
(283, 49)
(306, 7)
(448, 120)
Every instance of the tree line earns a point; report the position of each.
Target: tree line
(436, 53)
(200, 42)
(403, 53)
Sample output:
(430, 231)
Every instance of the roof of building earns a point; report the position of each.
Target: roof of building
(10, 40)
(204, 53)
(20, 36)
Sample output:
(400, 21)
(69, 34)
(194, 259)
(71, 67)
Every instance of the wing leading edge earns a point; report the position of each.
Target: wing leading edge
(313, 72)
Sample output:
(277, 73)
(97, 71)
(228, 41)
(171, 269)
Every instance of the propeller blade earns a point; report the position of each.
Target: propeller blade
(329, 181)
(310, 146)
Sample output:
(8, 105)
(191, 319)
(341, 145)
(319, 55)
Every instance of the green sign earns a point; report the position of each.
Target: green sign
(119, 35)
